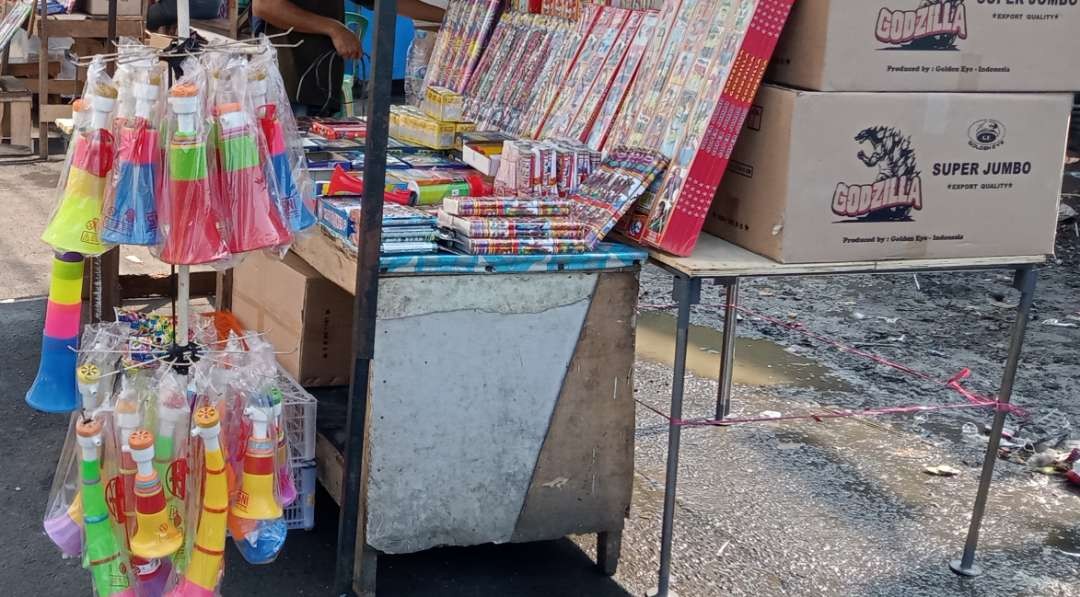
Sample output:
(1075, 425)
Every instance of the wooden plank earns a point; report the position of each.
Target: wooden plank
(583, 478)
(223, 293)
(54, 86)
(154, 285)
(82, 26)
(329, 467)
(51, 112)
(717, 258)
(30, 69)
(20, 123)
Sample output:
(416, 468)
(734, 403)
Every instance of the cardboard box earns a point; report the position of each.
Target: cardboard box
(124, 8)
(820, 177)
(920, 45)
(298, 309)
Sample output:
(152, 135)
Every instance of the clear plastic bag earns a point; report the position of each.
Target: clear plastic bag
(257, 518)
(104, 553)
(63, 522)
(75, 224)
(207, 488)
(242, 173)
(131, 198)
(191, 223)
(295, 191)
(416, 64)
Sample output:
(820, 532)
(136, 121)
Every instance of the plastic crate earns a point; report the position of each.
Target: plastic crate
(299, 416)
(301, 513)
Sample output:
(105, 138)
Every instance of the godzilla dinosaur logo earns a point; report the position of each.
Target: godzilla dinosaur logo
(896, 190)
(934, 25)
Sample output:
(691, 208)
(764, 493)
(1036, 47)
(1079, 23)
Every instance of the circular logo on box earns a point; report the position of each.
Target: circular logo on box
(986, 133)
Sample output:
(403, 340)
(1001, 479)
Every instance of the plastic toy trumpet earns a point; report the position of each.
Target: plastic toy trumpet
(255, 500)
(193, 234)
(66, 530)
(286, 485)
(150, 573)
(54, 388)
(76, 224)
(132, 218)
(156, 535)
(286, 194)
(254, 221)
(204, 569)
(171, 411)
(107, 565)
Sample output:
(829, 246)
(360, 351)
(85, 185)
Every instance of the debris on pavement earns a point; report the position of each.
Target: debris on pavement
(942, 470)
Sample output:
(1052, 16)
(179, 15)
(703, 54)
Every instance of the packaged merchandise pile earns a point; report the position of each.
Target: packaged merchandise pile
(512, 225)
(406, 230)
(178, 432)
(678, 81)
(542, 217)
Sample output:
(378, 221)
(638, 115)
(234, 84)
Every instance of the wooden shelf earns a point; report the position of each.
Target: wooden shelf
(717, 258)
(84, 26)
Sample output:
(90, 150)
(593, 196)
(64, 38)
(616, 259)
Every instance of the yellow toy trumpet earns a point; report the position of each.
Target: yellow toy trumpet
(255, 500)
(204, 568)
(156, 535)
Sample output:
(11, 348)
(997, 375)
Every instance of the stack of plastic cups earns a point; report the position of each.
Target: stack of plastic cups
(54, 388)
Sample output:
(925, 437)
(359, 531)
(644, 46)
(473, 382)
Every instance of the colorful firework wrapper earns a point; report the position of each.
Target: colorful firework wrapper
(519, 246)
(510, 228)
(506, 206)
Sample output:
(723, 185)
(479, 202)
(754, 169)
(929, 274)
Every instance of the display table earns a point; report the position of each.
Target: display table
(726, 263)
(501, 406)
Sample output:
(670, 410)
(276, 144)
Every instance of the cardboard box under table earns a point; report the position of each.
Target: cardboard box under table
(303, 314)
(501, 405)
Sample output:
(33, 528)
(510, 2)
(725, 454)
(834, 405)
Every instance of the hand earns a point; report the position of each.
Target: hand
(346, 43)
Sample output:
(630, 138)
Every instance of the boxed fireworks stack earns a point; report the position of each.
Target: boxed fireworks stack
(819, 177)
(483, 150)
(405, 229)
(526, 169)
(410, 124)
(930, 45)
(442, 104)
(429, 186)
(695, 84)
(335, 129)
(511, 225)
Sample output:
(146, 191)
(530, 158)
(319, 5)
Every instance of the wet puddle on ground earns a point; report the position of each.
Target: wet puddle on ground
(757, 362)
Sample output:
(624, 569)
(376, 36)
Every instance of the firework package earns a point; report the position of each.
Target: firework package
(930, 45)
(159, 464)
(698, 77)
(820, 177)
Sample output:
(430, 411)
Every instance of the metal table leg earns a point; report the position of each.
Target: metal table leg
(727, 356)
(687, 291)
(1025, 283)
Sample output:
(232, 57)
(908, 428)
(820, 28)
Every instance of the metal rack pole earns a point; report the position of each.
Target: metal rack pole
(367, 294)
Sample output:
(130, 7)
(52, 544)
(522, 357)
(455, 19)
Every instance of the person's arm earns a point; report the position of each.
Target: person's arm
(420, 11)
(284, 14)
